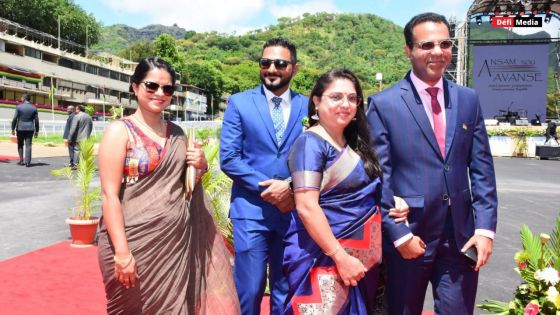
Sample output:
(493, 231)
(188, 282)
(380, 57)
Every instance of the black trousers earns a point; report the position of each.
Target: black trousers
(27, 136)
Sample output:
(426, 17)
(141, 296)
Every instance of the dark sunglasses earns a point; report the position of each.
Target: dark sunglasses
(429, 45)
(152, 87)
(280, 64)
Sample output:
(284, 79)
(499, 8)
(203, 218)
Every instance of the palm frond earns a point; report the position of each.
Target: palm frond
(532, 245)
(496, 307)
(212, 153)
(529, 277)
(554, 243)
(63, 172)
(217, 186)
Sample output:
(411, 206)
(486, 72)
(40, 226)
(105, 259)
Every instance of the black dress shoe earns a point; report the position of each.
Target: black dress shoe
(27, 164)
(20, 163)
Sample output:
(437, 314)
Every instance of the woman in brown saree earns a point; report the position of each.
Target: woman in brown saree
(159, 252)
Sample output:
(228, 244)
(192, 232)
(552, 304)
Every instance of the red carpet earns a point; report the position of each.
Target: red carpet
(58, 280)
(5, 158)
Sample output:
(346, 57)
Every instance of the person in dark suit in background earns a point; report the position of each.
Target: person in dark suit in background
(550, 133)
(71, 110)
(433, 148)
(26, 121)
(259, 128)
(80, 128)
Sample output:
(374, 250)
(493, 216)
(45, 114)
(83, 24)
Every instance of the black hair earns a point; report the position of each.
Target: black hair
(282, 42)
(148, 64)
(421, 18)
(357, 131)
(81, 107)
(26, 97)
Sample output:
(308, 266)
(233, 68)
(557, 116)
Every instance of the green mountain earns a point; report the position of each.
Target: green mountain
(364, 43)
(115, 37)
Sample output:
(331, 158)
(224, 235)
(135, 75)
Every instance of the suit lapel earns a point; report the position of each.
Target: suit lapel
(414, 104)
(261, 104)
(451, 108)
(295, 111)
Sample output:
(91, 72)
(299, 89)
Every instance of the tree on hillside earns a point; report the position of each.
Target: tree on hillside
(206, 75)
(43, 15)
(242, 76)
(166, 48)
(138, 51)
(305, 79)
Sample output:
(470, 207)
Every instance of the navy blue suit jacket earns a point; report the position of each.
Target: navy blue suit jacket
(414, 169)
(249, 152)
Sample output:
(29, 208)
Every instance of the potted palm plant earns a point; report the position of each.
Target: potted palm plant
(82, 222)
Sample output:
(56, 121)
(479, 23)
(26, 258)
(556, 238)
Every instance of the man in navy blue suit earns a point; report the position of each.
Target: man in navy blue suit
(431, 140)
(258, 130)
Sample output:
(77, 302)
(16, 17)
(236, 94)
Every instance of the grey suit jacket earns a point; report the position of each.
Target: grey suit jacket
(80, 128)
(67, 126)
(26, 118)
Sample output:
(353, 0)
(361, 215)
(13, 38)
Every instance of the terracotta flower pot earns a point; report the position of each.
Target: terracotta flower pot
(82, 231)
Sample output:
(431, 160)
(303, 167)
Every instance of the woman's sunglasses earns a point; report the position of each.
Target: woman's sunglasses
(279, 64)
(429, 45)
(152, 87)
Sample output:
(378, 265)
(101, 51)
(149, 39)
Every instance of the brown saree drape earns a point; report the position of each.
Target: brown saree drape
(183, 265)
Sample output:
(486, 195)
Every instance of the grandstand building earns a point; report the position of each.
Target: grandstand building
(58, 73)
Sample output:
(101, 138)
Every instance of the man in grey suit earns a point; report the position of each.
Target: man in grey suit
(80, 128)
(71, 110)
(26, 122)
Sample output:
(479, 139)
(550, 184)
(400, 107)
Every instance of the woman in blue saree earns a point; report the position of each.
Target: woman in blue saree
(333, 245)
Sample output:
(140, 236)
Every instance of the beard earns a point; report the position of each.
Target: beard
(277, 83)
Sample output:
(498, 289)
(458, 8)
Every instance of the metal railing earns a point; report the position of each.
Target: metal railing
(57, 127)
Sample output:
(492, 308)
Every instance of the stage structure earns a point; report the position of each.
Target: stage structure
(502, 63)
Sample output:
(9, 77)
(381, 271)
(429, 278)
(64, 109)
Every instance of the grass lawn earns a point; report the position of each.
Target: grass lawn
(54, 139)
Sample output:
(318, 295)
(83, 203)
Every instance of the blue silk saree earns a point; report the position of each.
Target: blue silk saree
(349, 199)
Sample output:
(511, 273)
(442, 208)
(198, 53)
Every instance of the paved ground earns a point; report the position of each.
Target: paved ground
(38, 150)
(33, 206)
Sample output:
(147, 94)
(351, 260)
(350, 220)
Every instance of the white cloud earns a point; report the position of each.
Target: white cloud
(198, 15)
(298, 9)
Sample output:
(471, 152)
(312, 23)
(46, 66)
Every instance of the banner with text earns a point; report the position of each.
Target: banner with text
(511, 79)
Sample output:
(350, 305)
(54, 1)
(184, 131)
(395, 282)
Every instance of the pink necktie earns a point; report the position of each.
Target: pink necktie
(439, 124)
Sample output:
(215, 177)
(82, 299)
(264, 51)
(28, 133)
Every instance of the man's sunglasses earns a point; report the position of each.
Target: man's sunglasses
(152, 87)
(429, 45)
(279, 64)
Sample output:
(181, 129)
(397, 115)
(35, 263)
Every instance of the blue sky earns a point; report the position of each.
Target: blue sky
(239, 16)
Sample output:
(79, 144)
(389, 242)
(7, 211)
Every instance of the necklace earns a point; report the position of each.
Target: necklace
(151, 130)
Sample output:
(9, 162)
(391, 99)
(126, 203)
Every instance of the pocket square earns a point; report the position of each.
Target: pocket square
(465, 127)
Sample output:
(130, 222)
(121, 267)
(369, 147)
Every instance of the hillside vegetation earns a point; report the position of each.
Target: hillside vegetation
(222, 63)
(115, 37)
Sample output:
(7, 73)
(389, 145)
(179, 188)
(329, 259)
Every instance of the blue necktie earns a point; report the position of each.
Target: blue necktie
(278, 118)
